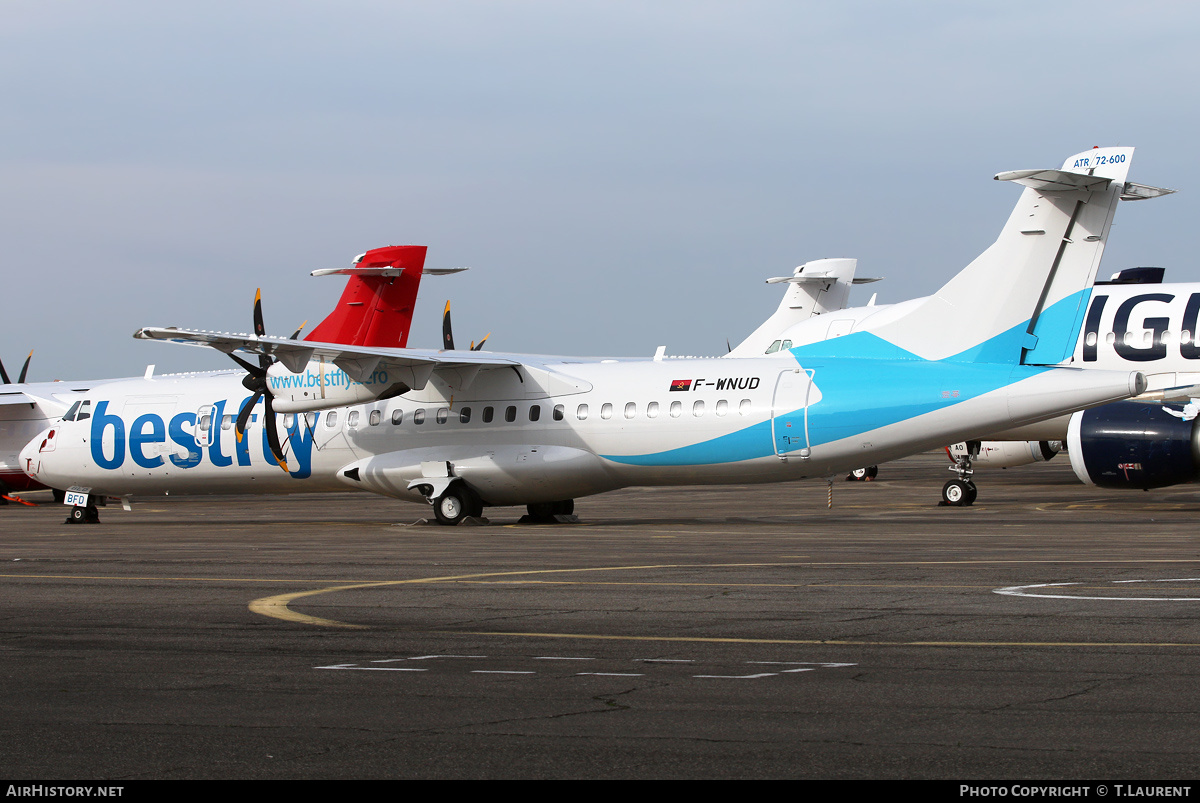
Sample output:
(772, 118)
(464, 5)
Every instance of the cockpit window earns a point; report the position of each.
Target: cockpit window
(787, 344)
(70, 416)
(85, 411)
(771, 349)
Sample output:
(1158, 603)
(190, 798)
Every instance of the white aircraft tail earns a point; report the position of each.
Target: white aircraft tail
(814, 288)
(1023, 299)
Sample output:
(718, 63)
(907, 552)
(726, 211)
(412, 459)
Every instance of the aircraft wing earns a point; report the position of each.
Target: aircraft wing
(359, 362)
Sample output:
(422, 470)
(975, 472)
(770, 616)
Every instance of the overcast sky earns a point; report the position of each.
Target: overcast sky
(617, 175)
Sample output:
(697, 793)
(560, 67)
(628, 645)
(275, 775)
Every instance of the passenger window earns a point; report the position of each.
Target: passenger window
(581, 412)
(771, 349)
(488, 413)
(698, 408)
(535, 412)
(510, 414)
(722, 407)
(205, 422)
(288, 418)
(352, 419)
(464, 415)
(676, 409)
(443, 414)
(630, 409)
(227, 422)
(375, 417)
(606, 411)
(397, 417)
(744, 407)
(1184, 337)
(419, 416)
(1110, 338)
(331, 419)
(1090, 339)
(309, 418)
(558, 412)
(652, 410)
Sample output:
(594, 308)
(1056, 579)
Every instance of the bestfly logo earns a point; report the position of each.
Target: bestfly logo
(147, 438)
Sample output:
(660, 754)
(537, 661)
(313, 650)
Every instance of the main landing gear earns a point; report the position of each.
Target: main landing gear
(549, 512)
(456, 503)
(961, 492)
(863, 474)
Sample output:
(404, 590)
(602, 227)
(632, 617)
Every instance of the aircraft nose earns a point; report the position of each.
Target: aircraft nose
(31, 456)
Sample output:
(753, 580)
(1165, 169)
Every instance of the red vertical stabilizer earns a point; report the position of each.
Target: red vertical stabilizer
(376, 308)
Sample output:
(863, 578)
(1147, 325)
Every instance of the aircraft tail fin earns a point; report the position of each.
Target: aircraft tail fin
(1023, 299)
(814, 288)
(376, 308)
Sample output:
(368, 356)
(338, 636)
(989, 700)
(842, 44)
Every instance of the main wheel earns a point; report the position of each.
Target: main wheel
(78, 515)
(959, 493)
(541, 511)
(450, 508)
(564, 508)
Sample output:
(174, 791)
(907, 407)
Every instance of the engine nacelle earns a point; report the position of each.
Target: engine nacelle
(1134, 445)
(1006, 454)
(323, 385)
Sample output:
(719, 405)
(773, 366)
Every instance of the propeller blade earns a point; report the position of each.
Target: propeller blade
(254, 370)
(239, 427)
(273, 433)
(481, 342)
(24, 369)
(4, 375)
(259, 329)
(296, 334)
(447, 334)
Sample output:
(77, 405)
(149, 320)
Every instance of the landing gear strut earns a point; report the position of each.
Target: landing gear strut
(961, 492)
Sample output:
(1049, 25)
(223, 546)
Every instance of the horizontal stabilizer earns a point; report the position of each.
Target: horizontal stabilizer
(812, 278)
(1054, 180)
(383, 271)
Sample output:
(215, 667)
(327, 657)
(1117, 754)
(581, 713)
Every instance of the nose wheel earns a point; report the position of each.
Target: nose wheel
(83, 515)
(863, 474)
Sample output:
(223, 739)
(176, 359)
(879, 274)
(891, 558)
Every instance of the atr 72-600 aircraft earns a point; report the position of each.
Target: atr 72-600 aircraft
(468, 429)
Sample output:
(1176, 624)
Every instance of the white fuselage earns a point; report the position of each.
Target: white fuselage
(555, 430)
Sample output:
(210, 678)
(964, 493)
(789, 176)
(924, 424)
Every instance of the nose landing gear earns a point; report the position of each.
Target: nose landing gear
(961, 492)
